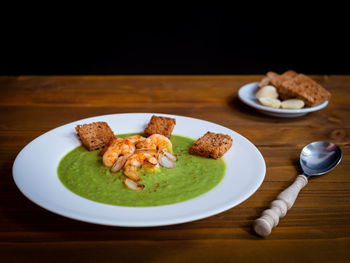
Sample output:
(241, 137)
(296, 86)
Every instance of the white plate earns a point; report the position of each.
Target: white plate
(35, 173)
(247, 95)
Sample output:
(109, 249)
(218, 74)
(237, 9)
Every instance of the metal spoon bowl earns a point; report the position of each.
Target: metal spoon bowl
(320, 157)
(316, 158)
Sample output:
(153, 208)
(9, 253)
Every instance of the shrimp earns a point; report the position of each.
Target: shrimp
(158, 142)
(136, 152)
(137, 160)
(135, 139)
(118, 147)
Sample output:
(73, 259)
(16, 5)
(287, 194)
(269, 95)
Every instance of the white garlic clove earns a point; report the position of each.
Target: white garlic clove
(165, 162)
(133, 185)
(118, 164)
(269, 102)
(267, 92)
(170, 156)
(292, 104)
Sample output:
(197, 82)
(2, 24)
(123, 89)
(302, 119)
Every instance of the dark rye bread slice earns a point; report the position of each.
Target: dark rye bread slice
(95, 135)
(279, 79)
(304, 88)
(272, 78)
(291, 85)
(267, 79)
(213, 145)
(160, 125)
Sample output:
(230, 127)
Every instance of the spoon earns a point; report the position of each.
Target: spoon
(316, 158)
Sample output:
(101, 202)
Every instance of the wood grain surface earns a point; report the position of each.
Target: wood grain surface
(316, 229)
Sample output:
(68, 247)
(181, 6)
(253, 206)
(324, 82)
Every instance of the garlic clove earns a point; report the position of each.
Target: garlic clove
(118, 164)
(133, 185)
(170, 156)
(267, 92)
(269, 102)
(165, 162)
(292, 104)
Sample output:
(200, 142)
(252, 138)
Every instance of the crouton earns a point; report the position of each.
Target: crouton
(160, 125)
(95, 135)
(213, 145)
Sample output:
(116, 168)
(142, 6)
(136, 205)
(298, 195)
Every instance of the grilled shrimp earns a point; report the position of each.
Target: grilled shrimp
(140, 159)
(134, 152)
(158, 142)
(164, 147)
(135, 139)
(118, 147)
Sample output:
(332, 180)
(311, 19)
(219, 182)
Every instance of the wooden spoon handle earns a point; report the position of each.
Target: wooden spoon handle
(279, 207)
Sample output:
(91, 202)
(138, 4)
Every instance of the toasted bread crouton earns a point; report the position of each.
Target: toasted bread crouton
(160, 125)
(95, 135)
(213, 145)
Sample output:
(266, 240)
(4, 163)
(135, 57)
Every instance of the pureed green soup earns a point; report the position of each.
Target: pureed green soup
(83, 173)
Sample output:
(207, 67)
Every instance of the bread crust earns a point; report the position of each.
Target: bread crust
(160, 125)
(304, 88)
(267, 79)
(213, 145)
(291, 85)
(95, 135)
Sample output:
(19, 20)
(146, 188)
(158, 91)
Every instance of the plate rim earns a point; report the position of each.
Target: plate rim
(252, 103)
(198, 216)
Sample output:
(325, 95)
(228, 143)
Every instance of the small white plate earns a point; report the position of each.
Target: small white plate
(35, 174)
(247, 95)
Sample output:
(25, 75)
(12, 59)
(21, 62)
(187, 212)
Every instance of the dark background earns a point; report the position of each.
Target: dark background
(176, 40)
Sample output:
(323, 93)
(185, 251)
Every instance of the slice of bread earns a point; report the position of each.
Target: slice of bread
(160, 125)
(291, 85)
(213, 145)
(95, 135)
(304, 88)
(267, 79)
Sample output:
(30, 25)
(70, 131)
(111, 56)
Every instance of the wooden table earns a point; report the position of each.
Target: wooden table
(316, 229)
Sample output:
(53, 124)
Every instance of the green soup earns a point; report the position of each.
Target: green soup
(83, 173)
